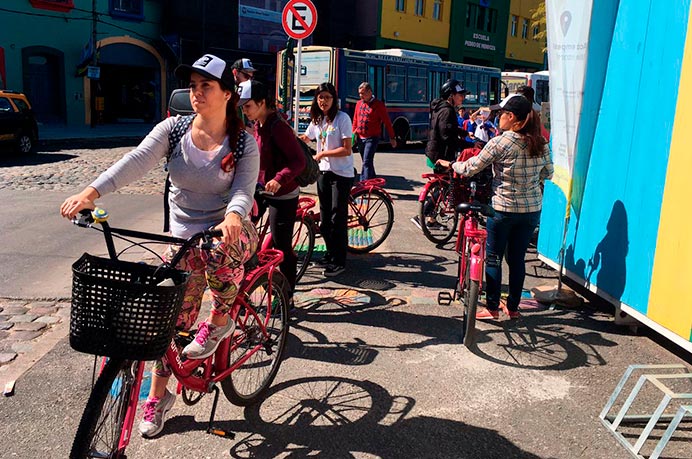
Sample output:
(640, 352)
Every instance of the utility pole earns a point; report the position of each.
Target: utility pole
(92, 84)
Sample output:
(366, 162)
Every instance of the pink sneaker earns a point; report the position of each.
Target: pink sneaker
(207, 339)
(155, 411)
(487, 314)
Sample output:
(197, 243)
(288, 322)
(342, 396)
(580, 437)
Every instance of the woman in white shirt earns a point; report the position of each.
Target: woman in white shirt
(332, 130)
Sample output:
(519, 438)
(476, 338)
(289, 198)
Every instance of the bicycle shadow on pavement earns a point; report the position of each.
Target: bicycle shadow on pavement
(389, 270)
(341, 417)
(368, 309)
(546, 340)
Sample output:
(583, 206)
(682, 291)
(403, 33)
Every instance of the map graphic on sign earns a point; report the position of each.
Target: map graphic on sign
(299, 18)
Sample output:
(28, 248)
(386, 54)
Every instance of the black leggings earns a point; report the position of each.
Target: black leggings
(282, 216)
(333, 191)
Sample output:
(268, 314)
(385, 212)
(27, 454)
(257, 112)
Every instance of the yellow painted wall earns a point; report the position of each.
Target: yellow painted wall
(670, 303)
(523, 49)
(406, 26)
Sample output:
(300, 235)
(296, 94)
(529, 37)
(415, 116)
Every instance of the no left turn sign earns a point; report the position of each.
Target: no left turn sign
(299, 18)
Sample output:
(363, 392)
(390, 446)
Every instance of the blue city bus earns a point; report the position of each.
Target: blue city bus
(405, 80)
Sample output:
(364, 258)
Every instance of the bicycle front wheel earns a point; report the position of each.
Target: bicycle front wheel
(471, 292)
(303, 244)
(438, 219)
(370, 220)
(101, 426)
(268, 311)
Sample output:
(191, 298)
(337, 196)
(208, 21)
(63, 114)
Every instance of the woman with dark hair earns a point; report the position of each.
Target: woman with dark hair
(332, 130)
(521, 162)
(209, 188)
(281, 160)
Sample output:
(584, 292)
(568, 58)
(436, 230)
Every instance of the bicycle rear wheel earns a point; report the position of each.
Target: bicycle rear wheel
(370, 220)
(248, 383)
(303, 244)
(471, 290)
(438, 219)
(102, 422)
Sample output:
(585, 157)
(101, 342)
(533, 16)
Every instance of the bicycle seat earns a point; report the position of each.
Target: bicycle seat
(476, 207)
(251, 263)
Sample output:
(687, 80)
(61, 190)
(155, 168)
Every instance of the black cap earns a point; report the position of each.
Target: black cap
(243, 65)
(209, 66)
(515, 103)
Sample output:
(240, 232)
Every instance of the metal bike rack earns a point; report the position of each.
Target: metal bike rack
(613, 422)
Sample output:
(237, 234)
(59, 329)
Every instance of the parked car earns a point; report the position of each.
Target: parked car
(179, 103)
(18, 126)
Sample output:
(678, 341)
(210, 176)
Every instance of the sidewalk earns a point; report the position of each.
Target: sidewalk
(50, 134)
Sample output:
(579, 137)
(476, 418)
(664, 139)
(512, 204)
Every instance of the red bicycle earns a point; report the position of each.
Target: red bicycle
(127, 312)
(470, 246)
(304, 232)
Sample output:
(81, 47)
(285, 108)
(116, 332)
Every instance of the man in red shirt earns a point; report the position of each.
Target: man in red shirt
(367, 125)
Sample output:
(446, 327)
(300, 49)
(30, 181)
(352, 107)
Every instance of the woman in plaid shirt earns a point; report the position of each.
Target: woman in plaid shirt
(521, 161)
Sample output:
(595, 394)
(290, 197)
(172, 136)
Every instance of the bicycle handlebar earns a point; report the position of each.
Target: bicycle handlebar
(87, 218)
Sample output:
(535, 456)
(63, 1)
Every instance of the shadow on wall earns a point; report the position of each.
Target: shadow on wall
(609, 259)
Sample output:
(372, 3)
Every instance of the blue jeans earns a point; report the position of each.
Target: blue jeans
(367, 148)
(509, 234)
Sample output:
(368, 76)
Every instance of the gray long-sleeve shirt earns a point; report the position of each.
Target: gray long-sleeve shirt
(200, 196)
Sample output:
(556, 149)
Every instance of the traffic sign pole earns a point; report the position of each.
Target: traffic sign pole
(299, 19)
(297, 70)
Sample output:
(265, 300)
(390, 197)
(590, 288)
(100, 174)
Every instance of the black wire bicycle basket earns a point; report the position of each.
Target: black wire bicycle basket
(119, 309)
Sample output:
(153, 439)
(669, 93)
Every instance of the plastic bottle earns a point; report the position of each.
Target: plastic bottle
(146, 385)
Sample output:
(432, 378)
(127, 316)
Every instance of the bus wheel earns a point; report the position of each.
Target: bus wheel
(401, 131)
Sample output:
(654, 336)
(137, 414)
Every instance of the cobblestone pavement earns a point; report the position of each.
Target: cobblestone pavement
(69, 170)
(25, 321)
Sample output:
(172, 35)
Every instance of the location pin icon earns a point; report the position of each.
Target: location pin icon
(565, 21)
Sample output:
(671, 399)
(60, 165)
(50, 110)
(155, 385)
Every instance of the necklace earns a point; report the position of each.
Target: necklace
(323, 136)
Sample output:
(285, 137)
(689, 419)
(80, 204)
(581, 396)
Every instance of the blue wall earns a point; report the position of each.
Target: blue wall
(611, 242)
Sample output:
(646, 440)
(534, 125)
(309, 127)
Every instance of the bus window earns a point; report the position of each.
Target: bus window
(416, 85)
(483, 89)
(471, 85)
(542, 91)
(315, 68)
(435, 80)
(356, 73)
(396, 83)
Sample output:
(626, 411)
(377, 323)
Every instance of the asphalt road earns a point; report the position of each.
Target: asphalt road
(374, 367)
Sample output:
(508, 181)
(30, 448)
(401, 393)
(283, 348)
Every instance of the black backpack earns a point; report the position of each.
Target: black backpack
(312, 168)
(179, 129)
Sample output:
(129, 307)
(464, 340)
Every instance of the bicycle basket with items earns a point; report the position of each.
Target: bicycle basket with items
(122, 309)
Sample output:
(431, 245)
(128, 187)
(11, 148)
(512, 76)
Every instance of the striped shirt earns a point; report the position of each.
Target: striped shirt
(517, 177)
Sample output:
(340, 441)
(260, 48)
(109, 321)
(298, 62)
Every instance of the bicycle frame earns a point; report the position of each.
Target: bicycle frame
(431, 179)
(471, 244)
(216, 367)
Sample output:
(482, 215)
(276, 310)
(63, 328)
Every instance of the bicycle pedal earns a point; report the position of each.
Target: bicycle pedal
(444, 298)
(220, 433)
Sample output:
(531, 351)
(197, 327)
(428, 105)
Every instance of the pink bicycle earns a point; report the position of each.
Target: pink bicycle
(470, 246)
(127, 312)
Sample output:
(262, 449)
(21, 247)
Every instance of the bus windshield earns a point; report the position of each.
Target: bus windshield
(314, 69)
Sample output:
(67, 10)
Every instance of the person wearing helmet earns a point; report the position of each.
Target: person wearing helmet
(444, 134)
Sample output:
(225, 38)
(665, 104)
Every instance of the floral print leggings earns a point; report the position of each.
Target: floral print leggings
(221, 269)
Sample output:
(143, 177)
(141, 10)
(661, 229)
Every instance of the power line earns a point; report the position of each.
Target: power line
(53, 16)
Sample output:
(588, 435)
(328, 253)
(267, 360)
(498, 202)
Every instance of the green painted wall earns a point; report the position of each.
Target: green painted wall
(470, 45)
(22, 26)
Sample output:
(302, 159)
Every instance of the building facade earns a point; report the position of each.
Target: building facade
(524, 48)
(47, 46)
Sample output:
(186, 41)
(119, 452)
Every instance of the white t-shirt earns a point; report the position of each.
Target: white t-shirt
(331, 135)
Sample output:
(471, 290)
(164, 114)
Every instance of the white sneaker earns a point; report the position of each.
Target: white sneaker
(155, 411)
(207, 339)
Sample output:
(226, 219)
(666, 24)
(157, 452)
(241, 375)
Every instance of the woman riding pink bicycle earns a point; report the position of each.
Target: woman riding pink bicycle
(213, 171)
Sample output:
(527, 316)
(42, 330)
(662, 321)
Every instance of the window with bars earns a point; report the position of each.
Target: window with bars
(401, 5)
(420, 8)
(127, 9)
(437, 10)
(525, 28)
